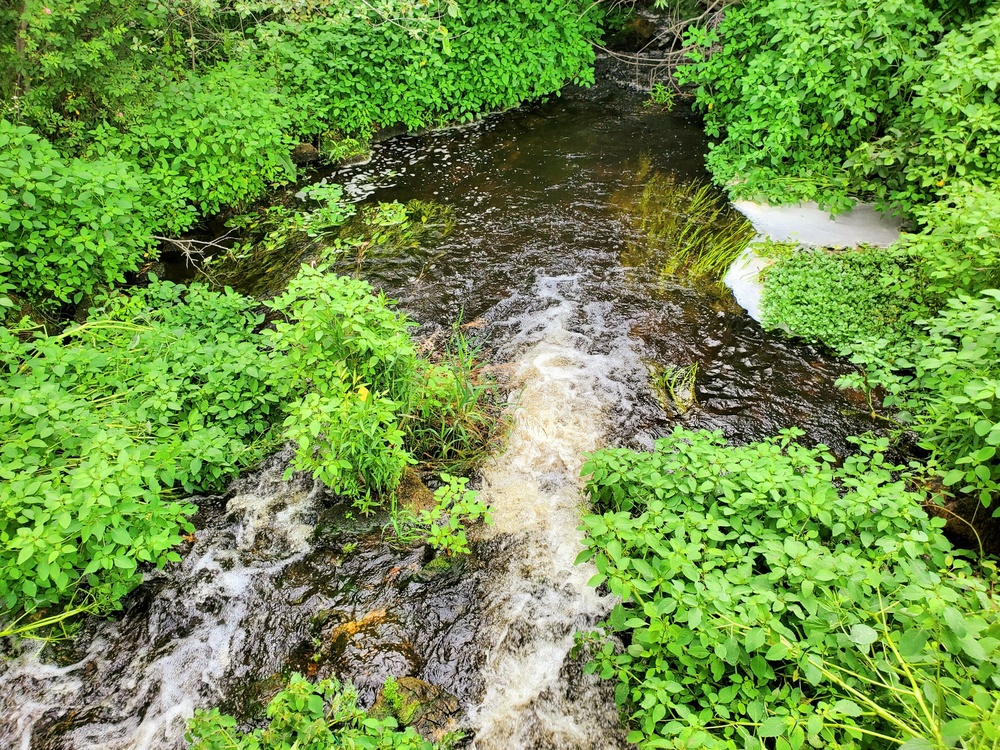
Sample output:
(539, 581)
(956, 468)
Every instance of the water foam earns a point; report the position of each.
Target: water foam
(537, 599)
(129, 695)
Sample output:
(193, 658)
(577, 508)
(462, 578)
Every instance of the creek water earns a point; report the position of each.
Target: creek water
(280, 577)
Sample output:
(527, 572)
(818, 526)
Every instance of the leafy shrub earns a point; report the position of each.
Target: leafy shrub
(347, 370)
(166, 388)
(959, 247)
(206, 142)
(67, 226)
(839, 298)
(950, 130)
(793, 87)
(946, 387)
(771, 596)
(306, 716)
(357, 69)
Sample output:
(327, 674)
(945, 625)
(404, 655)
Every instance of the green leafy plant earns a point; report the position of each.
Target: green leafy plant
(306, 716)
(67, 226)
(841, 297)
(661, 96)
(455, 416)
(347, 367)
(791, 88)
(455, 507)
(770, 595)
(165, 389)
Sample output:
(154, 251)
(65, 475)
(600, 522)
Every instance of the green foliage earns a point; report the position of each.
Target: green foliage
(454, 417)
(358, 68)
(661, 96)
(793, 87)
(347, 369)
(949, 132)
(162, 389)
(205, 142)
(674, 386)
(455, 507)
(946, 386)
(839, 297)
(306, 716)
(773, 598)
(959, 247)
(687, 230)
(67, 226)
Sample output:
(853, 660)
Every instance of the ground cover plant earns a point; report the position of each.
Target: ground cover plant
(773, 598)
(307, 716)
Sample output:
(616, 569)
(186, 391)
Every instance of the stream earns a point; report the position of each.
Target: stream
(281, 578)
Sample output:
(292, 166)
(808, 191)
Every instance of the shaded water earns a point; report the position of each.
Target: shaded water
(534, 266)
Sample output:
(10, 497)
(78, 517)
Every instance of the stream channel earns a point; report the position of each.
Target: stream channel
(280, 578)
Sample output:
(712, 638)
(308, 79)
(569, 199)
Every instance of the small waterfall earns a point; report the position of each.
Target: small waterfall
(536, 598)
(135, 690)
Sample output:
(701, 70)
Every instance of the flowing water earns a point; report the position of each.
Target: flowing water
(281, 578)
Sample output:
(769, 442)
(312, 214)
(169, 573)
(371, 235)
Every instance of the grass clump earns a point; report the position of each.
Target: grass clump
(674, 386)
(688, 231)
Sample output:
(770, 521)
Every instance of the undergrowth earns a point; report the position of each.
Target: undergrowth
(773, 598)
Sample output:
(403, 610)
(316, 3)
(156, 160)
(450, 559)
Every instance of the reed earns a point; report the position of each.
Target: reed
(687, 230)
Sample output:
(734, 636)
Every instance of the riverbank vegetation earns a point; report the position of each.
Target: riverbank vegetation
(772, 596)
(123, 125)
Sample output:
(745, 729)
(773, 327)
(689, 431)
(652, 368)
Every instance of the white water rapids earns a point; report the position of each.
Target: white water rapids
(535, 695)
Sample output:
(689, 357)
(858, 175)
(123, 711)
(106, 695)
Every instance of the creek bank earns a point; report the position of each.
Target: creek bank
(806, 224)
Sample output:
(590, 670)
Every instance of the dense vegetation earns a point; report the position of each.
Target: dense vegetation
(771, 596)
(122, 122)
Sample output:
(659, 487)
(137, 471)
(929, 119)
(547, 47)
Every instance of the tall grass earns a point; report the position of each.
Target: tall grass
(456, 417)
(687, 230)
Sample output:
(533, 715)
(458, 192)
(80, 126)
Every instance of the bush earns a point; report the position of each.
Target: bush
(771, 596)
(355, 70)
(794, 87)
(162, 389)
(347, 368)
(950, 130)
(205, 142)
(959, 247)
(67, 226)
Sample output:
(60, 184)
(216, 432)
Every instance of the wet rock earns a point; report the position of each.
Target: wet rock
(305, 153)
(433, 712)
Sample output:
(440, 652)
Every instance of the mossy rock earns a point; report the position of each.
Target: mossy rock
(412, 494)
(430, 710)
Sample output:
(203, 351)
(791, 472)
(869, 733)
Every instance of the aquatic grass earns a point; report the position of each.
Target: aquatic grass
(687, 230)
(674, 386)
